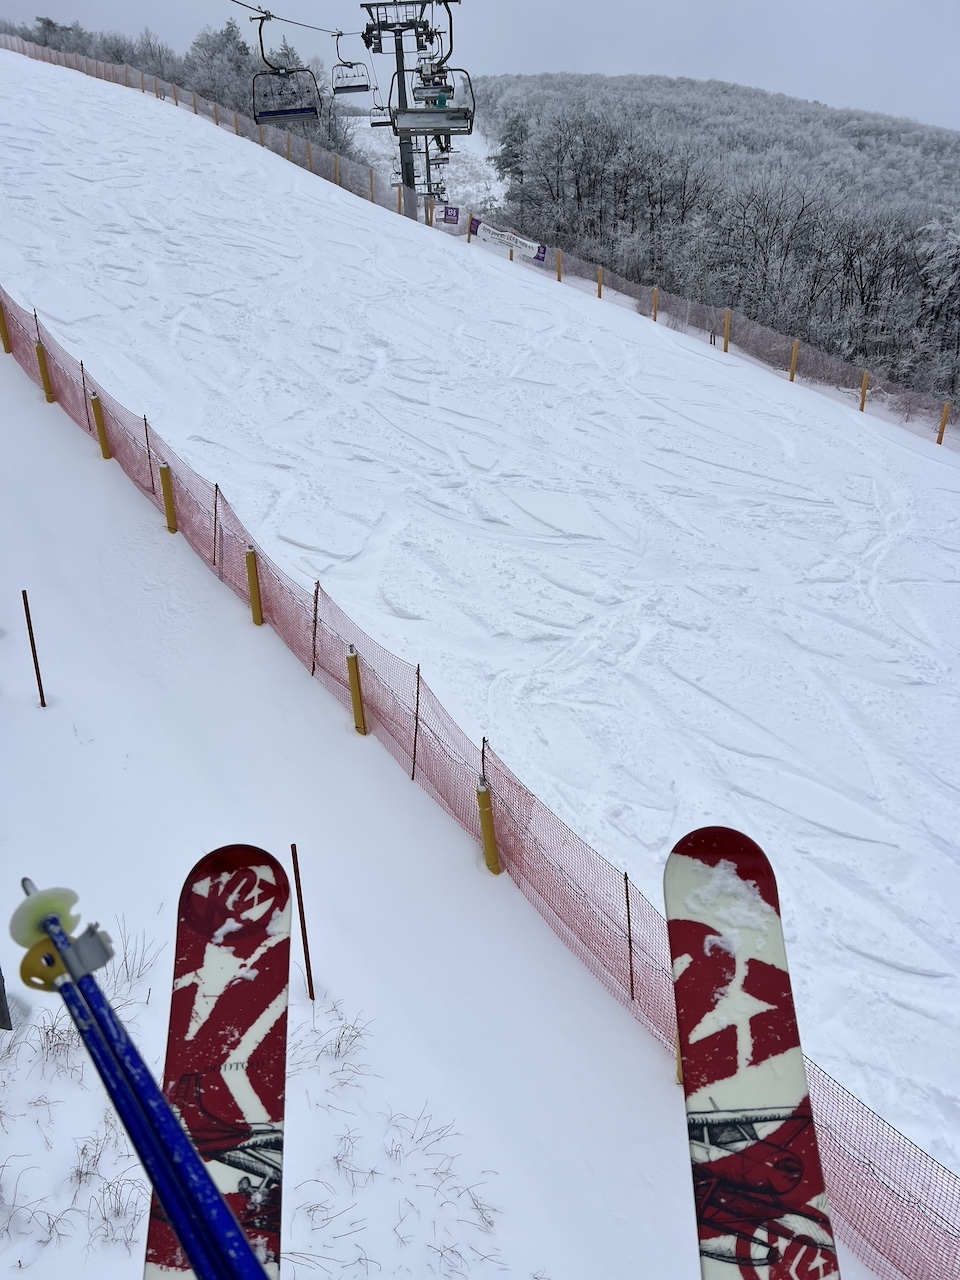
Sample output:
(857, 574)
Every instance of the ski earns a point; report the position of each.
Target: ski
(761, 1204)
(55, 961)
(226, 1051)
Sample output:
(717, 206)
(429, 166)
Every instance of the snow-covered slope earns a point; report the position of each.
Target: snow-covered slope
(671, 587)
(464, 1100)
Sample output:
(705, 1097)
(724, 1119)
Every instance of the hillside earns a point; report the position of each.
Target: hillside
(836, 227)
(672, 588)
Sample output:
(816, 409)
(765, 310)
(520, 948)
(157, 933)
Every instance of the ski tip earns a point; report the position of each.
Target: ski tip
(723, 841)
(713, 845)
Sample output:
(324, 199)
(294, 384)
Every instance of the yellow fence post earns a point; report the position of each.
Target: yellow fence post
(793, 358)
(166, 488)
(260, 127)
(289, 143)
(656, 303)
(356, 695)
(101, 426)
(943, 419)
(726, 330)
(399, 199)
(559, 266)
(236, 124)
(511, 255)
(309, 155)
(430, 222)
(864, 382)
(195, 112)
(599, 282)
(176, 100)
(336, 168)
(253, 582)
(488, 831)
(371, 185)
(4, 331)
(216, 115)
(45, 374)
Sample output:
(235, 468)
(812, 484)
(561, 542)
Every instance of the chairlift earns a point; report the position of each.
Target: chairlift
(431, 82)
(424, 121)
(436, 93)
(283, 93)
(441, 119)
(349, 77)
(379, 116)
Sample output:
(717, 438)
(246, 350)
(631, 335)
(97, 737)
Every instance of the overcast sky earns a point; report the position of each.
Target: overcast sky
(896, 56)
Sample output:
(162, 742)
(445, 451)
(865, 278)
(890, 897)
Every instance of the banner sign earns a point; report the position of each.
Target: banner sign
(451, 214)
(508, 240)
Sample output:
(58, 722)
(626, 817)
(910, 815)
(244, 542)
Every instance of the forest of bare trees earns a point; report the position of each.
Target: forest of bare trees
(840, 228)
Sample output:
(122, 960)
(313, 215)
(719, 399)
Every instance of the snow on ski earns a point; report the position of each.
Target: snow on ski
(226, 1051)
(761, 1204)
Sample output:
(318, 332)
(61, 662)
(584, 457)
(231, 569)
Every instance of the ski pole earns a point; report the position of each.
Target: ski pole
(207, 1229)
(159, 1168)
(202, 1197)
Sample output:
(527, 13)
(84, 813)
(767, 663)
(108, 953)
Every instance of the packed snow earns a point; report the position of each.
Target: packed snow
(672, 589)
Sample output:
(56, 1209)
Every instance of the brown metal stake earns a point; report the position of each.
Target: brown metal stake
(33, 648)
(313, 643)
(626, 890)
(216, 504)
(303, 920)
(146, 436)
(416, 726)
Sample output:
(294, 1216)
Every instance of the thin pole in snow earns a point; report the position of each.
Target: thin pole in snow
(626, 892)
(33, 648)
(303, 919)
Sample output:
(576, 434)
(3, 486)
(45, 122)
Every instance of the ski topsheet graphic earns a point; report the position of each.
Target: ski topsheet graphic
(760, 1199)
(226, 1051)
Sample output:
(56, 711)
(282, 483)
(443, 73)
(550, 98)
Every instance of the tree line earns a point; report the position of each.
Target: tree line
(840, 228)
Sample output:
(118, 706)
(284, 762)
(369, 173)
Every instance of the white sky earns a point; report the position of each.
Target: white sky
(880, 55)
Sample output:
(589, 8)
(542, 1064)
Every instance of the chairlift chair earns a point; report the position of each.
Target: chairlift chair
(348, 77)
(424, 121)
(283, 93)
(431, 93)
(440, 118)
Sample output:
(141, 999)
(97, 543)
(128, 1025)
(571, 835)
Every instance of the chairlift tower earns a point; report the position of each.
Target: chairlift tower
(432, 114)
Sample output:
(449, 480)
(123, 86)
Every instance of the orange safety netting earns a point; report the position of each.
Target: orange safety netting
(897, 1208)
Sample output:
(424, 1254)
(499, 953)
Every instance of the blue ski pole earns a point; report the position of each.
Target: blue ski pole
(209, 1233)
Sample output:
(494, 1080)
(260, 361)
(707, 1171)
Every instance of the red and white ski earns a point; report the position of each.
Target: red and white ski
(226, 1052)
(761, 1205)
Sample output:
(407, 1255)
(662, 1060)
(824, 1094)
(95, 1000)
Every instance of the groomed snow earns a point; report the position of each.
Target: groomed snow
(672, 588)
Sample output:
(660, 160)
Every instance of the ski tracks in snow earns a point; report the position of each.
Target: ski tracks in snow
(673, 589)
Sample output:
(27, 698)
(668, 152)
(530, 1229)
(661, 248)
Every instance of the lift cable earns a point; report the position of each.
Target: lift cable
(266, 14)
